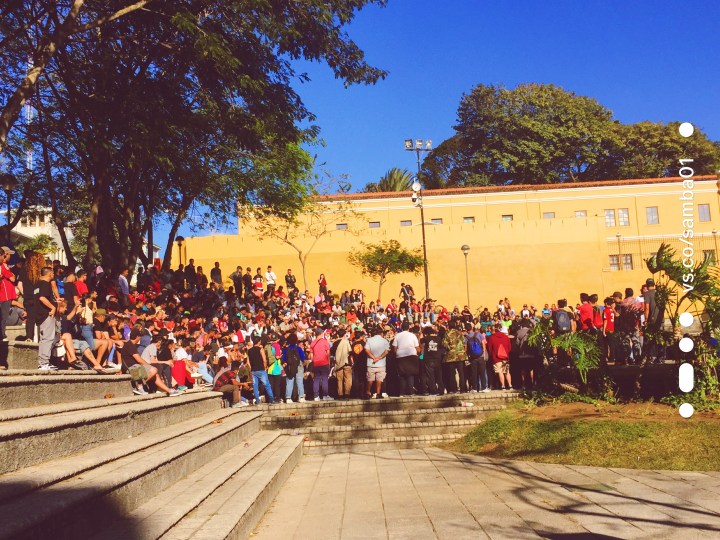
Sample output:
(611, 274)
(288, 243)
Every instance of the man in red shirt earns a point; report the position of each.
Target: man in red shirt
(7, 289)
(608, 329)
(499, 346)
(586, 312)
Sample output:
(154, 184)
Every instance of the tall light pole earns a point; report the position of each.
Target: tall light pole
(620, 264)
(9, 182)
(179, 240)
(715, 233)
(419, 147)
(466, 249)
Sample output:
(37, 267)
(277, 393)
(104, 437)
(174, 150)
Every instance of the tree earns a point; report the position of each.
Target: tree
(319, 216)
(186, 108)
(393, 180)
(380, 260)
(42, 243)
(542, 134)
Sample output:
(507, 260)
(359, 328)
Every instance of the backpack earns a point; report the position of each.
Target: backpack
(627, 320)
(502, 352)
(521, 342)
(476, 348)
(597, 317)
(292, 362)
(563, 323)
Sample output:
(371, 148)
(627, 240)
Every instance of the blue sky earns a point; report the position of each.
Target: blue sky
(644, 60)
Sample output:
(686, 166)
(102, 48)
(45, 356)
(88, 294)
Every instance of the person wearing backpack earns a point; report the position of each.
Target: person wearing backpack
(274, 368)
(293, 358)
(476, 345)
(527, 355)
(563, 323)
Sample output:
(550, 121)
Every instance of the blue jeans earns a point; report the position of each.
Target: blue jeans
(86, 331)
(258, 377)
(292, 381)
(320, 380)
(482, 375)
(205, 372)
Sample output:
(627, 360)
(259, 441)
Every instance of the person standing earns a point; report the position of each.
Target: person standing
(191, 275)
(343, 366)
(498, 345)
(320, 356)
(293, 361)
(290, 281)
(477, 346)
(29, 277)
(271, 280)
(216, 276)
(377, 349)
(7, 290)
(45, 309)
(407, 348)
(322, 285)
(258, 366)
(432, 361)
(123, 289)
(454, 343)
(247, 281)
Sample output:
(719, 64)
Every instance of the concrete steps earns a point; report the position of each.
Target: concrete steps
(22, 391)
(391, 423)
(20, 354)
(30, 441)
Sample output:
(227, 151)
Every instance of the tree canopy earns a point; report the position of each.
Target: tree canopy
(380, 260)
(171, 110)
(542, 134)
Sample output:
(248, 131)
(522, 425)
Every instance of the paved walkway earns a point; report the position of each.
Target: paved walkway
(430, 493)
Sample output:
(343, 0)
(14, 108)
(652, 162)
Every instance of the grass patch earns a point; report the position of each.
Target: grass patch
(635, 444)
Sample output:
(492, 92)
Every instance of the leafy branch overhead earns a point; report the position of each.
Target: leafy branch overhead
(380, 260)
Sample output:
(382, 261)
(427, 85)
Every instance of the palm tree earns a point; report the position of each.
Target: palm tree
(393, 180)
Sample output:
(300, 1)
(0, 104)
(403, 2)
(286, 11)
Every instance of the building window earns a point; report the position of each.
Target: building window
(710, 256)
(436, 221)
(374, 224)
(652, 215)
(610, 218)
(704, 212)
(614, 263)
(341, 226)
(469, 219)
(406, 223)
(627, 263)
(623, 217)
(580, 213)
(507, 217)
(548, 215)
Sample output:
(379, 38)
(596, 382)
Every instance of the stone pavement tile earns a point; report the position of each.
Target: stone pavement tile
(410, 529)
(287, 510)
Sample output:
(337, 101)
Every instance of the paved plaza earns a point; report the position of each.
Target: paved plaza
(431, 493)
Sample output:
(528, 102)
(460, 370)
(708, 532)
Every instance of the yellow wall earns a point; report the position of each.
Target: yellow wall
(528, 259)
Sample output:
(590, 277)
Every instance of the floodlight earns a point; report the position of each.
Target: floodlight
(418, 144)
(408, 144)
(416, 185)
(428, 145)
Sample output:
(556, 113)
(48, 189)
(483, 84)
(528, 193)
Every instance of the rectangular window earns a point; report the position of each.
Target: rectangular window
(580, 213)
(652, 215)
(341, 226)
(406, 223)
(469, 219)
(374, 224)
(614, 263)
(436, 221)
(548, 215)
(623, 217)
(704, 212)
(627, 263)
(610, 218)
(507, 217)
(710, 256)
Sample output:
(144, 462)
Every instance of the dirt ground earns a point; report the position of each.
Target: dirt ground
(629, 411)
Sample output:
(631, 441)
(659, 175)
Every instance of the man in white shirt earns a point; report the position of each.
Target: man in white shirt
(270, 279)
(407, 347)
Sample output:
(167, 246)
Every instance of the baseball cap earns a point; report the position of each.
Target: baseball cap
(8, 250)
(101, 311)
(649, 281)
(546, 312)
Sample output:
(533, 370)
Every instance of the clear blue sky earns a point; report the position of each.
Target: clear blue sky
(651, 60)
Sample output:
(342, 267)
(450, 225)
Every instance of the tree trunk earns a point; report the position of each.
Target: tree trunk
(27, 87)
(167, 258)
(381, 283)
(302, 265)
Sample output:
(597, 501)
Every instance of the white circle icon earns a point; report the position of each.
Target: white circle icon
(686, 129)
(686, 319)
(686, 410)
(686, 344)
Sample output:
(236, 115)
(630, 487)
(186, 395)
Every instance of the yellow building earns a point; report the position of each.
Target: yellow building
(532, 244)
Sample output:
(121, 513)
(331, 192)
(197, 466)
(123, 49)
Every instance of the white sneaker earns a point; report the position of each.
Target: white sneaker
(139, 391)
(301, 400)
(316, 399)
(47, 367)
(384, 394)
(112, 365)
(288, 400)
(486, 390)
(473, 391)
(329, 398)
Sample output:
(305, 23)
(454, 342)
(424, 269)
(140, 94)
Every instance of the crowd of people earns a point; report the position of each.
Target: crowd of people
(261, 340)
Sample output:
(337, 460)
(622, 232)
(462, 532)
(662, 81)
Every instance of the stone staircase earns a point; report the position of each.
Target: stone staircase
(84, 458)
(407, 422)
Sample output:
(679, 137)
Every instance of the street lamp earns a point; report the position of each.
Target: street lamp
(714, 233)
(418, 146)
(179, 240)
(9, 182)
(620, 266)
(466, 249)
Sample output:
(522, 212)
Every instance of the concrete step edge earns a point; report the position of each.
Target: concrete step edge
(365, 414)
(415, 438)
(59, 408)
(59, 373)
(70, 498)
(251, 491)
(149, 520)
(371, 445)
(18, 483)
(27, 380)
(379, 427)
(55, 422)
